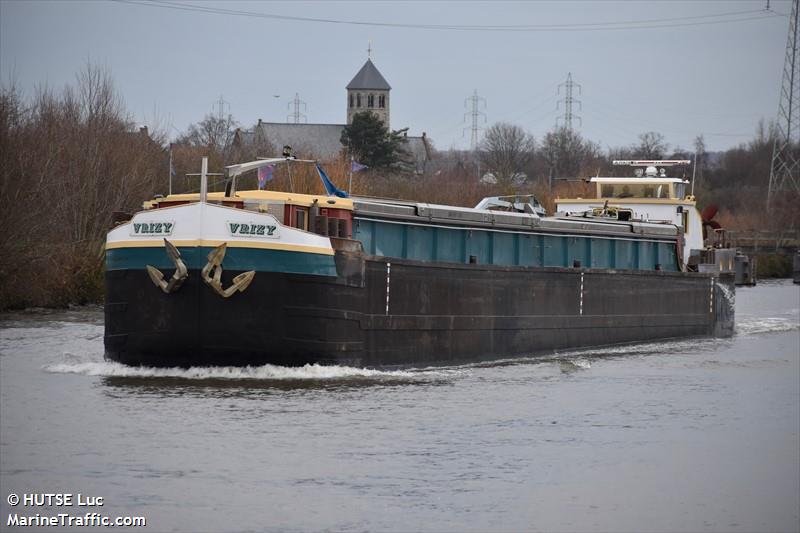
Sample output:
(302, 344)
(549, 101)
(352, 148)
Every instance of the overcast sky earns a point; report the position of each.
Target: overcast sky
(698, 67)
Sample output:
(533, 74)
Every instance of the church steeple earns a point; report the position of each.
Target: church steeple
(368, 91)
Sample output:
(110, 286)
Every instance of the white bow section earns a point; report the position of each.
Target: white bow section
(209, 225)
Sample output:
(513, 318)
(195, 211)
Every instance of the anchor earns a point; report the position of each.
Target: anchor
(212, 274)
(178, 277)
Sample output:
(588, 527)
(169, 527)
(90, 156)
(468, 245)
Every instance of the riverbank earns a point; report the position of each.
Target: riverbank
(773, 266)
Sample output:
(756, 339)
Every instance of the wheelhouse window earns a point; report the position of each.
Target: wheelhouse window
(634, 190)
(301, 218)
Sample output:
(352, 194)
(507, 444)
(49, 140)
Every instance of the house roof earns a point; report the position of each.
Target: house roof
(369, 78)
(322, 141)
(306, 140)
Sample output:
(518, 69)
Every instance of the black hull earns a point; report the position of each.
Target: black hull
(437, 314)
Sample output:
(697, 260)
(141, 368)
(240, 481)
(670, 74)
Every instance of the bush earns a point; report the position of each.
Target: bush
(68, 161)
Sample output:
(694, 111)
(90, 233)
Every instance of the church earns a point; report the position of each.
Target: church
(367, 91)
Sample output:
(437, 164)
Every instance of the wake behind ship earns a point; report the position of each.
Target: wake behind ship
(265, 277)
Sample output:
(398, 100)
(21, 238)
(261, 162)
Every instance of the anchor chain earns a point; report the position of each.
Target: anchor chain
(178, 277)
(212, 274)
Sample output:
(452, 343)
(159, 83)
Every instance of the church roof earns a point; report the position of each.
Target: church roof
(369, 78)
(306, 140)
(321, 141)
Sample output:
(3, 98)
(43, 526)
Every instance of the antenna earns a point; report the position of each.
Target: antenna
(204, 174)
(568, 101)
(296, 115)
(204, 179)
(784, 170)
(475, 101)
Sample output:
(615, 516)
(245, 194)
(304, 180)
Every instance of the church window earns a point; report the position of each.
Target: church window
(358, 100)
(371, 100)
(351, 100)
(381, 101)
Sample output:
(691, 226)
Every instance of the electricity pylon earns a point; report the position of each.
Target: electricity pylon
(568, 101)
(475, 100)
(785, 165)
(296, 116)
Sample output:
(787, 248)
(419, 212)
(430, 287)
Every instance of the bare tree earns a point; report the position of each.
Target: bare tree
(765, 136)
(567, 153)
(651, 146)
(213, 133)
(700, 158)
(68, 161)
(248, 145)
(506, 150)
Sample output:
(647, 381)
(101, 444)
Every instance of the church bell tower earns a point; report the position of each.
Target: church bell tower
(368, 91)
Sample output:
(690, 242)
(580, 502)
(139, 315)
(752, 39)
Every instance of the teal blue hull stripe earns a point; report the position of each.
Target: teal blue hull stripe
(260, 260)
(463, 245)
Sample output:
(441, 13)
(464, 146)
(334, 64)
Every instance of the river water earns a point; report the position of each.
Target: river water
(698, 435)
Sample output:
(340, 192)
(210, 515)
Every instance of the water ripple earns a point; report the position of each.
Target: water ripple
(265, 372)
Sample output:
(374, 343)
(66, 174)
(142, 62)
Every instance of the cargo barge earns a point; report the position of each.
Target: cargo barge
(265, 277)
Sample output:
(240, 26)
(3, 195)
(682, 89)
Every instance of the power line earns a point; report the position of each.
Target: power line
(607, 122)
(647, 100)
(542, 98)
(672, 22)
(542, 116)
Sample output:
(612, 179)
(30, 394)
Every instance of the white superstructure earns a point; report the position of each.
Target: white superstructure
(650, 196)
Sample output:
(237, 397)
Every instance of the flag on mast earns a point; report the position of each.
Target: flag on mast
(355, 166)
(265, 175)
(172, 172)
(330, 188)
